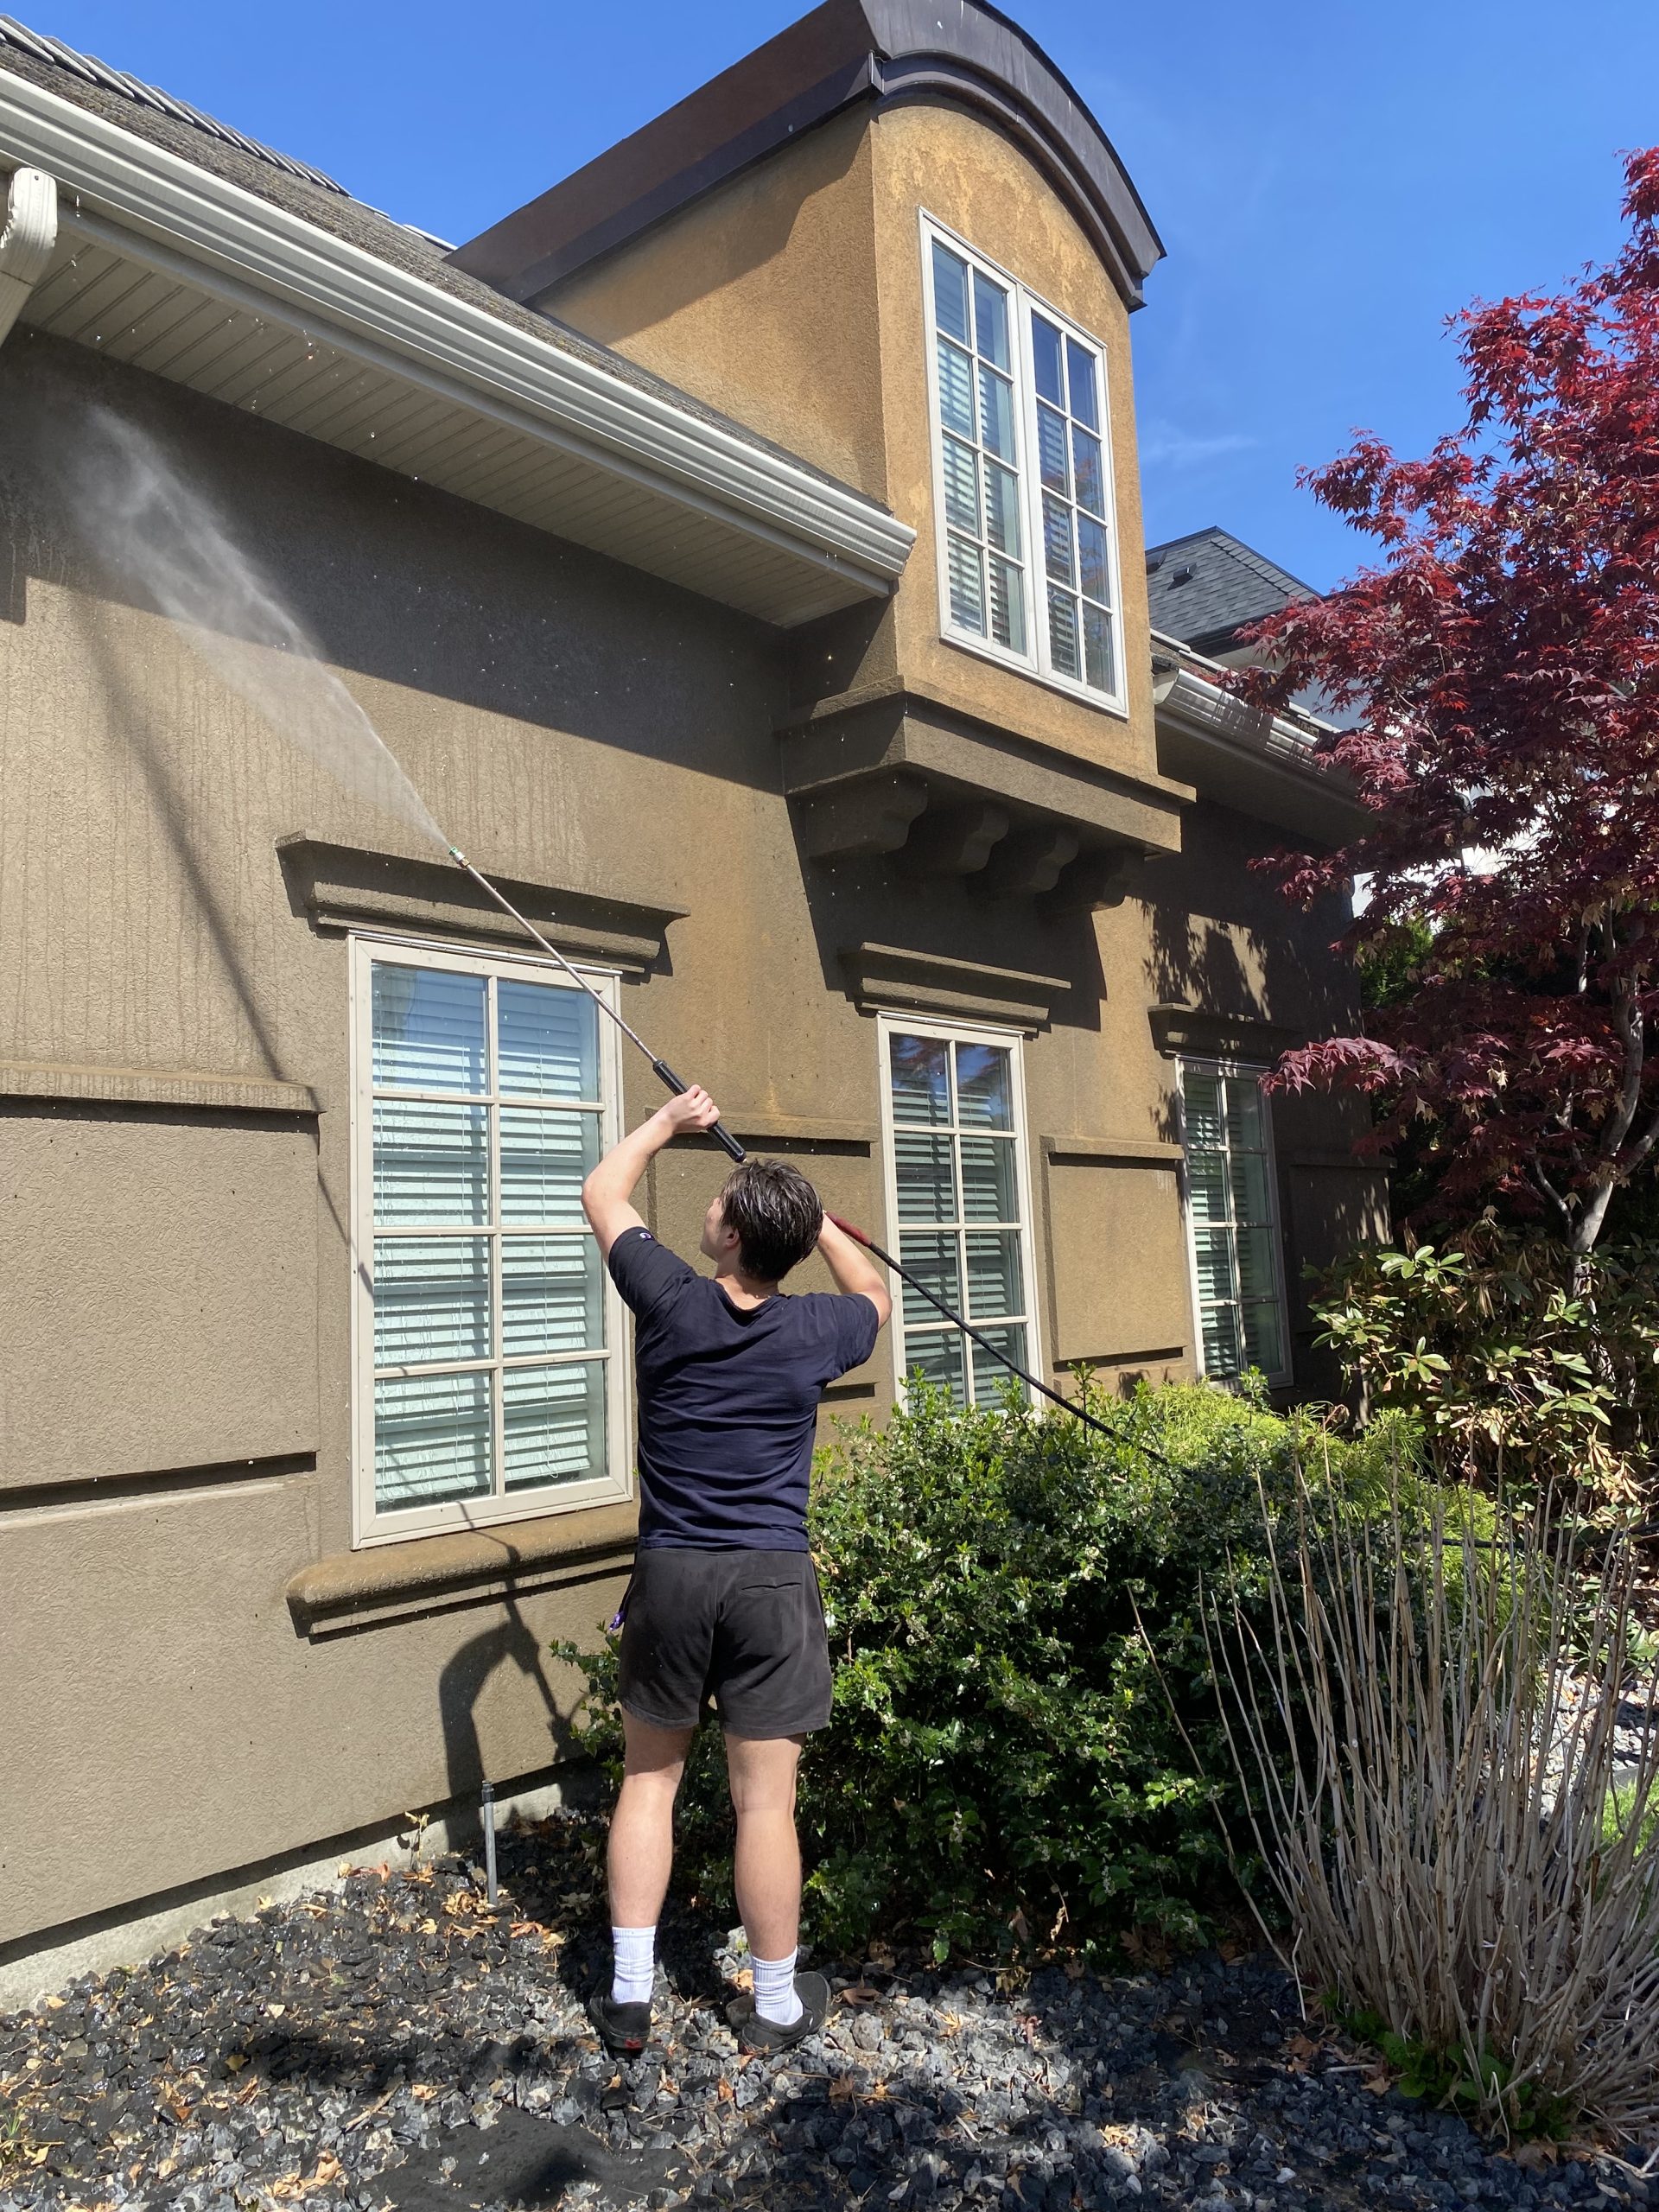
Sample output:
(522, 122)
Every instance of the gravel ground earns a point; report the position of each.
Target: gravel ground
(368, 2047)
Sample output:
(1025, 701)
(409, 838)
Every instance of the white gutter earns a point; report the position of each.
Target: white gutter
(155, 207)
(1243, 740)
(27, 242)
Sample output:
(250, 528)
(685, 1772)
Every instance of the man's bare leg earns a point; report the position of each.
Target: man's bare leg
(766, 1866)
(640, 1852)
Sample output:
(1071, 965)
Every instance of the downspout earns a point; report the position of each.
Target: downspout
(26, 241)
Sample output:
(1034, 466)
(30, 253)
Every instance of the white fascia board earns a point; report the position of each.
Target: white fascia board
(223, 236)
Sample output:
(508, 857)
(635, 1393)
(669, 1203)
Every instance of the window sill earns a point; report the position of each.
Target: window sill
(1118, 709)
(352, 1590)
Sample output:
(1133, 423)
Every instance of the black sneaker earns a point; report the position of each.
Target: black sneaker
(624, 2029)
(756, 2034)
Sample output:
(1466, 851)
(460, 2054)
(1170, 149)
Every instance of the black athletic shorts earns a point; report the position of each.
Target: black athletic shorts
(742, 1627)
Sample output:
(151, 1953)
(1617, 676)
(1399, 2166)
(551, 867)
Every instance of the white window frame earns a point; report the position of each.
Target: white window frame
(371, 1524)
(1035, 662)
(955, 1032)
(1197, 1064)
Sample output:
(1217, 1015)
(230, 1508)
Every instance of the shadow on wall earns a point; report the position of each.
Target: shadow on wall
(405, 584)
(508, 1641)
(871, 899)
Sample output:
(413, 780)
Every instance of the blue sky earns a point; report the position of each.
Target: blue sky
(1330, 179)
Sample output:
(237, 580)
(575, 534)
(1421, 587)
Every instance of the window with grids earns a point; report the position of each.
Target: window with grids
(487, 1326)
(959, 1195)
(1234, 1224)
(1023, 475)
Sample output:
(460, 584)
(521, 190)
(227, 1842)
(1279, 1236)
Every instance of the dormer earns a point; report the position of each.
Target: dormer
(894, 240)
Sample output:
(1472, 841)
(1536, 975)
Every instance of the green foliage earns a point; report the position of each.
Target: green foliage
(1026, 1745)
(1447, 2078)
(1521, 1363)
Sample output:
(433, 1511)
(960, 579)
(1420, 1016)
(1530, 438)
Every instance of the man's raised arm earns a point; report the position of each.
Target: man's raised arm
(608, 1194)
(854, 1272)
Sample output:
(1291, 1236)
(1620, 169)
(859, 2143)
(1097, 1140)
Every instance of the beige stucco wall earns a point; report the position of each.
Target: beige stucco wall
(173, 1277)
(791, 297)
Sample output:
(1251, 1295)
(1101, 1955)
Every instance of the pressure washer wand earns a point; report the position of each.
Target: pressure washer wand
(1071, 1405)
(722, 1136)
(860, 1236)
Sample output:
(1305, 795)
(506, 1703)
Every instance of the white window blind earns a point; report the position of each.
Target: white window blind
(1023, 479)
(958, 1194)
(1233, 1221)
(487, 1330)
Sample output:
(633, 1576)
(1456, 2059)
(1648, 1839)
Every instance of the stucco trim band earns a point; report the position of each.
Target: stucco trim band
(366, 305)
(890, 976)
(1084, 1152)
(1177, 1029)
(242, 1094)
(345, 887)
(340, 1590)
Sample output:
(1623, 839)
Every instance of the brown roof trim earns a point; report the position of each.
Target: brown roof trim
(882, 51)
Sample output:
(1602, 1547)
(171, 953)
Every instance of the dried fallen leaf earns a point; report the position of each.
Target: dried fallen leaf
(236, 2060)
(1538, 2155)
(1379, 2083)
(423, 2092)
(843, 2089)
(725, 2093)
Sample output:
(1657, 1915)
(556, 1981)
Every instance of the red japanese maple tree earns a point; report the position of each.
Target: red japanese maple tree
(1503, 663)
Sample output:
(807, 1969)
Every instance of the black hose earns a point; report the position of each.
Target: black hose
(1071, 1405)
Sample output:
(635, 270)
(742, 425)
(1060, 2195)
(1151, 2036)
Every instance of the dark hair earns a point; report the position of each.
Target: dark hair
(776, 1215)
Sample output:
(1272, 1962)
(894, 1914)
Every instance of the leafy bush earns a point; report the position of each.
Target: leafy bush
(1520, 1361)
(1025, 1720)
(1467, 1864)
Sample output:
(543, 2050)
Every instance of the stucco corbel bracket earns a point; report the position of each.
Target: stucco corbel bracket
(1102, 876)
(873, 815)
(954, 840)
(26, 241)
(1029, 864)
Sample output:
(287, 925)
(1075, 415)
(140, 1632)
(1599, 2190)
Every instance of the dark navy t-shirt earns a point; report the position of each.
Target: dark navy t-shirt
(728, 1400)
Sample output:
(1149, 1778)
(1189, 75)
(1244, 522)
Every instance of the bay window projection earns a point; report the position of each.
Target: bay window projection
(487, 1329)
(957, 1190)
(1027, 559)
(1233, 1222)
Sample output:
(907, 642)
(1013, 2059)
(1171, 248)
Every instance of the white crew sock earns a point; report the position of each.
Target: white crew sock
(774, 1990)
(635, 1968)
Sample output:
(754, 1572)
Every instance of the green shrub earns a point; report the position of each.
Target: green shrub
(1521, 1363)
(1026, 1745)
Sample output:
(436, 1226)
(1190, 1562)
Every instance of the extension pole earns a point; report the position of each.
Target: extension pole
(722, 1136)
(860, 1237)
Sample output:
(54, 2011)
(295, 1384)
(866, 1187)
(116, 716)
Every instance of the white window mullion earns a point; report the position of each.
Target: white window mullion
(498, 1254)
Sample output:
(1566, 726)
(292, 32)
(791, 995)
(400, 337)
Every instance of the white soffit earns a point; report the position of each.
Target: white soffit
(178, 272)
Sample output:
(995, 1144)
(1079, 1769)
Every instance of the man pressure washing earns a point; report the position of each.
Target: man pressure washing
(724, 1603)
